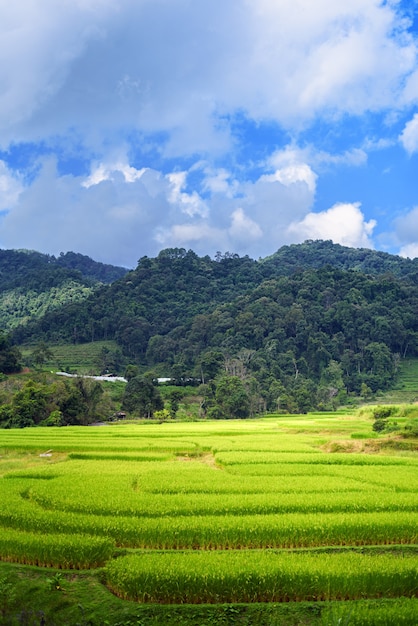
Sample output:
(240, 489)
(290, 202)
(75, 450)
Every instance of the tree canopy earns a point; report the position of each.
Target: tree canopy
(300, 329)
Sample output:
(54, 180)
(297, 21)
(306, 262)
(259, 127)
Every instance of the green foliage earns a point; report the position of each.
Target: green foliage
(383, 412)
(322, 322)
(110, 361)
(188, 504)
(21, 305)
(245, 576)
(41, 353)
(317, 254)
(31, 284)
(59, 403)
(86, 358)
(411, 428)
(174, 397)
(56, 582)
(142, 397)
(231, 397)
(379, 425)
(7, 597)
(93, 270)
(131, 371)
(9, 356)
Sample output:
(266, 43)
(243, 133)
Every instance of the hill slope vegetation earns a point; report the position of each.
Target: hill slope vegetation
(296, 331)
(32, 283)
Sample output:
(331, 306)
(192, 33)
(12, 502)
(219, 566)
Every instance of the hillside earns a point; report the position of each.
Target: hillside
(32, 283)
(316, 254)
(405, 389)
(299, 330)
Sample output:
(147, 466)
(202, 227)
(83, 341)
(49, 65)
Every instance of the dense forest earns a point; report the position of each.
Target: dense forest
(32, 283)
(305, 328)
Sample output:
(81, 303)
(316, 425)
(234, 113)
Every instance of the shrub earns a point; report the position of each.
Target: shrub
(383, 412)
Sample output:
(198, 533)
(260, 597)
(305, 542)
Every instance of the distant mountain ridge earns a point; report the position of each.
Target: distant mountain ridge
(34, 270)
(300, 328)
(320, 253)
(32, 283)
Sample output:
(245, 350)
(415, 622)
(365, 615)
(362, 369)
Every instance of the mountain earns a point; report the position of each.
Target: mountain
(89, 269)
(32, 283)
(316, 254)
(302, 328)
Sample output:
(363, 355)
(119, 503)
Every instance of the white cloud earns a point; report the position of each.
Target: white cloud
(112, 220)
(104, 171)
(191, 203)
(293, 174)
(302, 160)
(409, 135)
(406, 228)
(127, 84)
(118, 213)
(39, 45)
(410, 251)
(219, 181)
(185, 235)
(174, 67)
(243, 228)
(342, 223)
(10, 187)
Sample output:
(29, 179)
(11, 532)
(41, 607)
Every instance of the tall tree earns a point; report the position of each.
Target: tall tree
(142, 396)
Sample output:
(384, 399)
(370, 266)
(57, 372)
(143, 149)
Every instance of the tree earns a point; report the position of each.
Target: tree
(41, 353)
(131, 371)
(174, 398)
(142, 396)
(79, 399)
(231, 397)
(109, 360)
(331, 390)
(210, 364)
(28, 407)
(9, 356)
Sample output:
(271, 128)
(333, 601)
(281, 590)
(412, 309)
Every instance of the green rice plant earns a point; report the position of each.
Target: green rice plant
(126, 498)
(51, 550)
(399, 612)
(246, 457)
(259, 577)
(125, 456)
(161, 487)
(209, 531)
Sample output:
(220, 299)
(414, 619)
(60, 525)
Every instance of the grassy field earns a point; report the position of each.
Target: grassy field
(82, 358)
(305, 520)
(406, 387)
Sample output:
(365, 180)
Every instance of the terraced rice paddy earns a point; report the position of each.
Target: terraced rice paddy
(252, 511)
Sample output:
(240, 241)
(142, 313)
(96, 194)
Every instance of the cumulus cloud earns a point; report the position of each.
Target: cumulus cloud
(149, 94)
(10, 187)
(109, 220)
(175, 67)
(119, 213)
(410, 251)
(342, 223)
(406, 232)
(40, 43)
(243, 227)
(409, 135)
(303, 161)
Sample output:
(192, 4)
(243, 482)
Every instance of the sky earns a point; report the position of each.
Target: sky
(130, 126)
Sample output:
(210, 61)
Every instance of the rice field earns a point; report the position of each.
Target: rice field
(214, 512)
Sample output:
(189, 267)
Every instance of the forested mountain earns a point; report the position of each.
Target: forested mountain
(89, 269)
(317, 254)
(32, 283)
(298, 330)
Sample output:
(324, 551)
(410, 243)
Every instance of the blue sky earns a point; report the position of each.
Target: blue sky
(128, 126)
